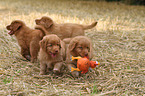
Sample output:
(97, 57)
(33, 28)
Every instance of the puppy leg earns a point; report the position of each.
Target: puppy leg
(42, 69)
(49, 67)
(74, 73)
(57, 67)
(26, 54)
(34, 49)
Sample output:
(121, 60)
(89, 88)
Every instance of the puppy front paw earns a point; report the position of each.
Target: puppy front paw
(75, 74)
(28, 57)
(56, 71)
(42, 73)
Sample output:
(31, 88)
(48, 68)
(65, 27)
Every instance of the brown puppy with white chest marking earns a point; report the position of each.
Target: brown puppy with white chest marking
(66, 30)
(28, 39)
(78, 46)
(52, 54)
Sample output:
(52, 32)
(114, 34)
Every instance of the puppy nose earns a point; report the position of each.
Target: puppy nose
(86, 54)
(56, 51)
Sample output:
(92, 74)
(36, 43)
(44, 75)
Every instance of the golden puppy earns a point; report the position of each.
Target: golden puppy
(64, 31)
(28, 39)
(78, 46)
(52, 54)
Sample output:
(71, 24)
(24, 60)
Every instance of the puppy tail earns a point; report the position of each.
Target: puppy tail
(45, 32)
(90, 26)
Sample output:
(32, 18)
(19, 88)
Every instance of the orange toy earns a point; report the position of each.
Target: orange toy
(83, 64)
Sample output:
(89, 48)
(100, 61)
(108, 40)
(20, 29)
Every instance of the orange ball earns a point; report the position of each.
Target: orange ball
(83, 64)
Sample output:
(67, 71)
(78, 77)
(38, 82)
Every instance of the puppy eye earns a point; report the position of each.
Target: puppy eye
(49, 45)
(80, 48)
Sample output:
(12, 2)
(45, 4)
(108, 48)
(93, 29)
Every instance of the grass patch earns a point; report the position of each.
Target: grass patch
(8, 80)
(95, 90)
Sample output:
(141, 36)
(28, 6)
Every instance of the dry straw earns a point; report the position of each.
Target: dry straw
(118, 41)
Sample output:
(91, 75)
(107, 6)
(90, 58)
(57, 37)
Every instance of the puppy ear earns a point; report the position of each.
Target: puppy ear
(70, 48)
(37, 21)
(42, 44)
(72, 45)
(48, 23)
(16, 26)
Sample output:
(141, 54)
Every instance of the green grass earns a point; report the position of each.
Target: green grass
(8, 80)
(95, 90)
(118, 41)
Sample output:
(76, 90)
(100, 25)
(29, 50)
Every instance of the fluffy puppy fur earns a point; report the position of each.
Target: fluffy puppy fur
(52, 54)
(27, 38)
(64, 31)
(78, 46)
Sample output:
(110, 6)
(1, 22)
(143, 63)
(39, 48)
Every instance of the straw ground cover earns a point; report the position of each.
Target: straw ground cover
(118, 41)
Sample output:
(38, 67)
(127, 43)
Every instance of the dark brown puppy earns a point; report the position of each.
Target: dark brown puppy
(64, 31)
(28, 39)
(78, 46)
(52, 54)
